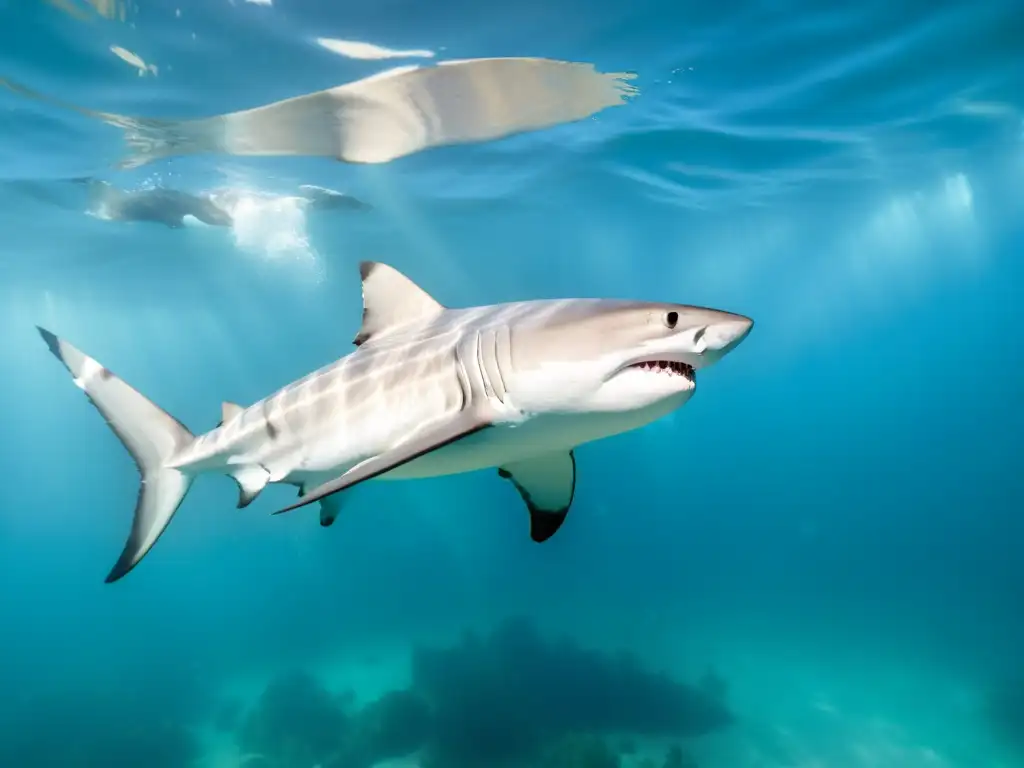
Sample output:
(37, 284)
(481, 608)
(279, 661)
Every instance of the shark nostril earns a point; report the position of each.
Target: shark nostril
(700, 344)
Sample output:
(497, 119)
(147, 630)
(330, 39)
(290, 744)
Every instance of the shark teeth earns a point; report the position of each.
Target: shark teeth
(670, 367)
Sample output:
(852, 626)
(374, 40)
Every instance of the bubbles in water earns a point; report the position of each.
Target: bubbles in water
(271, 226)
(959, 195)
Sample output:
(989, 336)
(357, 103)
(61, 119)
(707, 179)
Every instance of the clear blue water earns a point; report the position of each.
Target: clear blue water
(833, 524)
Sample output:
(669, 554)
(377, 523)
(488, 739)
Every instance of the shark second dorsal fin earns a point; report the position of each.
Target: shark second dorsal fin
(391, 300)
(228, 411)
(330, 506)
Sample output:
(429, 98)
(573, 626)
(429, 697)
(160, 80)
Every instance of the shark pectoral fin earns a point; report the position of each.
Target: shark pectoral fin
(547, 484)
(251, 481)
(228, 411)
(391, 300)
(462, 425)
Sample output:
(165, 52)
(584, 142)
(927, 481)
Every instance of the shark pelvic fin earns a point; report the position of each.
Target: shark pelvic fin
(390, 301)
(251, 481)
(547, 484)
(330, 506)
(228, 411)
(461, 425)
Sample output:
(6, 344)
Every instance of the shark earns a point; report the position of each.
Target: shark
(173, 207)
(429, 390)
(160, 205)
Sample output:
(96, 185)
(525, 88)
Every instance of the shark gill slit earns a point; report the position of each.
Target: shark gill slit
(493, 361)
(503, 354)
(465, 384)
(498, 337)
(478, 347)
(485, 362)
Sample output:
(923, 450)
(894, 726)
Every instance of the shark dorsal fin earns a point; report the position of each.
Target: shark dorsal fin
(228, 411)
(391, 300)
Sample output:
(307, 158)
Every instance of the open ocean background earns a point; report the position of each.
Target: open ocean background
(827, 541)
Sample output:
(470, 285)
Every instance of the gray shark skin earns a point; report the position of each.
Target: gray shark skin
(310, 197)
(321, 198)
(169, 207)
(159, 204)
(428, 391)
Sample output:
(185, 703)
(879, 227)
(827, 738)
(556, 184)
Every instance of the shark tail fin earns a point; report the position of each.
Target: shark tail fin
(151, 436)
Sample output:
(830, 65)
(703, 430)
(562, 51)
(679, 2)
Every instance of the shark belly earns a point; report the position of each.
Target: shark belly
(542, 434)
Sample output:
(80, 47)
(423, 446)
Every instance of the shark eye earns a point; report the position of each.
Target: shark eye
(671, 319)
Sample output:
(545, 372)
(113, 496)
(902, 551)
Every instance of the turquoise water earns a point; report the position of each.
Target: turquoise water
(822, 549)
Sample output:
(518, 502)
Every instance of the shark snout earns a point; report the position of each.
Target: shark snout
(725, 336)
(722, 337)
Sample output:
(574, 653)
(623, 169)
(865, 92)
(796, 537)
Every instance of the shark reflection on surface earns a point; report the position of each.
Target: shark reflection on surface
(172, 207)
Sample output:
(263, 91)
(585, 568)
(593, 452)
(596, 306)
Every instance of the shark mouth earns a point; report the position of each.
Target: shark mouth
(669, 367)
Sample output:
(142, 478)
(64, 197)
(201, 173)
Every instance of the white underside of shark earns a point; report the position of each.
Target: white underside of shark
(428, 391)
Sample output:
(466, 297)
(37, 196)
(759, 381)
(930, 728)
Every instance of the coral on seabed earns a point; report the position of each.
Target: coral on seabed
(713, 686)
(580, 751)
(295, 723)
(394, 725)
(677, 758)
(501, 699)
(1005, 711)
(505, 700)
